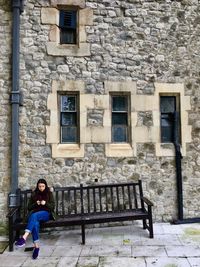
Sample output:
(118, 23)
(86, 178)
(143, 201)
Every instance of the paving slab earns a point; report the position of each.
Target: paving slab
(194, 262)
(50, 238)
(172, 229)
(148, 251)
(41, 262)
(128, 245)
(67, 262)
(158, 228)
(45, 251)
(12, 261)
(67, 251)
(191, 235)
(183, 251)
(88, 262)
(130, 240)
(120, 261)
(93, 239)
(161, 240)
(106, 250)
(112, 239)
(167, 262)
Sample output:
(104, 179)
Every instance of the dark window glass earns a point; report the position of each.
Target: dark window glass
(168, 110)
(68, 103)
(167, 104)
(120, 103)
(69, 134)
(68, 26)
(120, 127)
(119, 133)
(69, 119)
(119, 118)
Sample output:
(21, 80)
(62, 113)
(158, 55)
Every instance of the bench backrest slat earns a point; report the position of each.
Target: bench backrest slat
(135, 197)
(118, 201)
(88, 199)
(129, 197)
(110, 198)
(92, 199)
(63, 206)
(75, 202)
(100, 199)
(123, 195)
(106, 198)
(56, 200)
(24, 198)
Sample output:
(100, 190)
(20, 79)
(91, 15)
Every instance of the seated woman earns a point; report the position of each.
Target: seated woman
(41, 207)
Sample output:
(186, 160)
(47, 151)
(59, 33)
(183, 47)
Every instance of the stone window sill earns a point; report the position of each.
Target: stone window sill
(67, 150)
(54, 49)
(119, 150)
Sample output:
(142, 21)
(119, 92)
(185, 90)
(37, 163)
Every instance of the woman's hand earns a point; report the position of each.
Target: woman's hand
(38, 202)
(43, 202)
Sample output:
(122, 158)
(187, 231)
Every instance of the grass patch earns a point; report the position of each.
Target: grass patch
(3, 229)
(3, 246)
(126, 241)
(192, 231)
(171, 265)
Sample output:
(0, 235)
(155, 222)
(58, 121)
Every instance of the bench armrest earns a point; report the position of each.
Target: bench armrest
(147, 201)
(12, 212)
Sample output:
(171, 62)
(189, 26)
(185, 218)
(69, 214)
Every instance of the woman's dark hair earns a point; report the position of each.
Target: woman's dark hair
(42, 181)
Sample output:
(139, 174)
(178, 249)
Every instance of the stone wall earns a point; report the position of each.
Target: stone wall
(146, 42)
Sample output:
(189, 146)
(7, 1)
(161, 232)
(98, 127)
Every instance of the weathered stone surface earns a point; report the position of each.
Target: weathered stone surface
(142, 41)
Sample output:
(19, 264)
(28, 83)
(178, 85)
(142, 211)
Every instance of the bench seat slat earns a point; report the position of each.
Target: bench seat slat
(117, 216)
(94, 217)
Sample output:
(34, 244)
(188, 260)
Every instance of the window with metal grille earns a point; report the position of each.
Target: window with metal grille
(170, 121)
(69, 118)
(68, 26)
(120, 119)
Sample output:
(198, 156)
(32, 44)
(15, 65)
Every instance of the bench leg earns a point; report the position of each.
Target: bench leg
(10, 243)
(11, 239)
(10, 234)
(150, 229)
(150, 222)
(144, 224)
(83, 234)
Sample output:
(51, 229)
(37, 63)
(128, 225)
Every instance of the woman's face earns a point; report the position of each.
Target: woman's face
(41, 187)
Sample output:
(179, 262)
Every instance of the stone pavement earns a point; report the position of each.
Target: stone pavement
(116, 246)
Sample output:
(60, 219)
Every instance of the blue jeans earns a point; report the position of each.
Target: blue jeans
(33, 225)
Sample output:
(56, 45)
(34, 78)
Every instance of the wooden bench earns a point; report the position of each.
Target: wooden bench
(82, 205)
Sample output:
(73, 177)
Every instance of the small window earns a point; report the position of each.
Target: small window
(69, 118)
(170, 121)
(120, 119)
(68, 26)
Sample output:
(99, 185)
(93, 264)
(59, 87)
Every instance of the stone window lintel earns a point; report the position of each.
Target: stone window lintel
(79, 3)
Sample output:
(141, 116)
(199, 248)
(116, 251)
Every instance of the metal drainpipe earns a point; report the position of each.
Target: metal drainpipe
(178, 158)
(17, 8)
(179, 179)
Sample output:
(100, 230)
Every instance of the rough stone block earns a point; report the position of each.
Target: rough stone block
(50, 16)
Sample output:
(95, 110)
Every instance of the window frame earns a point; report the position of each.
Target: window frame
(77, 112)
(176, 109)
(75, 29)
(128, 112)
